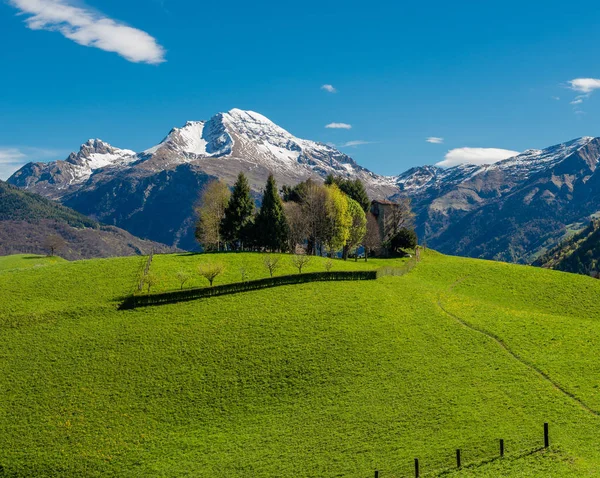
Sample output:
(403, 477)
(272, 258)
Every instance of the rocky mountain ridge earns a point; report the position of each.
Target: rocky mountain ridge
(510, 210)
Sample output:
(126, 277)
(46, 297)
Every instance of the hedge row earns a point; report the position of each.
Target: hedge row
(193, 294)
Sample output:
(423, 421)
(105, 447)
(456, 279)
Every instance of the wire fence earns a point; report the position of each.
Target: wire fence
(441, 462)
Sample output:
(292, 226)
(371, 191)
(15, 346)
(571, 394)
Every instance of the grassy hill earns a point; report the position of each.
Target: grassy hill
(25, 261)
(312, 380)
(27, 219)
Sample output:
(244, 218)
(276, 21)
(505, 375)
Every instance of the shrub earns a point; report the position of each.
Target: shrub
(271, 263)
(211, 271)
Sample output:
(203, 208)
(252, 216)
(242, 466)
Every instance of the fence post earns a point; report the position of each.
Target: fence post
(416, 468)
(458, 458)
(501, 447)
(546, 436)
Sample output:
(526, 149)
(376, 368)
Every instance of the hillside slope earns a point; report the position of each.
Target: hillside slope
(513, 210)
(26, 220)
(579, 254)
(333, 379)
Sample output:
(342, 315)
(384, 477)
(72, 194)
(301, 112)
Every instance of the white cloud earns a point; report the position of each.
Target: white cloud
(434, 140)
(475, 156)
(88, 28)
(584, 85)
(11, 159)
(355, 143)
(556, 98)
(329, 88)
(338, 126)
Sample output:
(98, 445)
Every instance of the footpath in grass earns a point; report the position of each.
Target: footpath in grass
(325, 379)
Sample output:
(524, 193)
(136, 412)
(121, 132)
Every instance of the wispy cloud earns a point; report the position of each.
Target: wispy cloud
(354, 144)
(89, 28)
(329, 88)
(338, 126)
(12, 158)
(555, 98)
(434, 140)
(584, 85)
(475, 156)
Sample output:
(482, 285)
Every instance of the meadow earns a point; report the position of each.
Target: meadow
(311, 380)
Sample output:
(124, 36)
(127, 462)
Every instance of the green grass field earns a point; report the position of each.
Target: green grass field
(311, 380)
(25, 261)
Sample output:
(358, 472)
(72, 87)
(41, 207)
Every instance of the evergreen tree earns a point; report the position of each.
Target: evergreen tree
(353, 188)
(271, 227)
(237, 223)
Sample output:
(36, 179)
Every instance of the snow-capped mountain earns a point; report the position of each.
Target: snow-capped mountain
(420, 180)
(152, 192)
(508, 210)
(222, 146)
(511, 210)
(58, 177)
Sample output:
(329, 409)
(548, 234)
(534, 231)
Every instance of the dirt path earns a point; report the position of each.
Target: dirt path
(512, 353)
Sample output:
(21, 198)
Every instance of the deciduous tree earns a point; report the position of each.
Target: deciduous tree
(183, 277)
(297, 223)
(54, 243)
(210, 271)
(314, 208)
(300, 259)
(210, 210)
(358, 227)
(271, 263)
(398, 215)
(353, 188)
(338, 220)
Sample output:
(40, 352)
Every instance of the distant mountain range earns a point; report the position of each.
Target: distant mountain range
(27, 220)
(512, 210)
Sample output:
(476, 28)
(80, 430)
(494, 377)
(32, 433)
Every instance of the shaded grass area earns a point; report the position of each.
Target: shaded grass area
(252, 265)
(331, 379)
(26, 261)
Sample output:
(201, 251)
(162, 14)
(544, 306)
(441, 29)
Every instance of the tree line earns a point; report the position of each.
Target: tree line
(312, 218)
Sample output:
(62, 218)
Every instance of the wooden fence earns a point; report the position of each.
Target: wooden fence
(472, 459)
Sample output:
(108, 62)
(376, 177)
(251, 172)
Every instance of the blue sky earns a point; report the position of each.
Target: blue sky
(475, 74)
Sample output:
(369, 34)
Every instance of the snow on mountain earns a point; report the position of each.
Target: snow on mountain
(96, 154)
(252, 137)
(247, 141)
(420, 179)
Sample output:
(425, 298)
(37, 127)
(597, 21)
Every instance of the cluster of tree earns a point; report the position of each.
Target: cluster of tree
(228, 220)
(322, 218)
